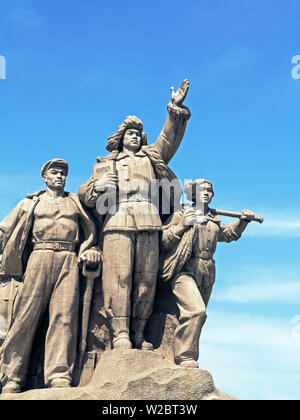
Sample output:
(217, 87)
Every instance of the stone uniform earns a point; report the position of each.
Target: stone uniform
(51, 283)
(130, 234)
(192, 284)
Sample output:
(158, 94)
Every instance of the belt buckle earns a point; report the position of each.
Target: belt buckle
(56, 246)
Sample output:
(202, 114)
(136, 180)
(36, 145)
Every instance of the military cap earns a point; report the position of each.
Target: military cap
(55, 162)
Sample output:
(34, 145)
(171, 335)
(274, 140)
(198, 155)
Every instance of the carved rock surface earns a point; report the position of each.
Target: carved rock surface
(135, 375)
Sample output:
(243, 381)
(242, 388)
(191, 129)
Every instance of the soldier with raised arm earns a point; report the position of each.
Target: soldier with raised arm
(44, 238)
(189, 240)
(130, 231)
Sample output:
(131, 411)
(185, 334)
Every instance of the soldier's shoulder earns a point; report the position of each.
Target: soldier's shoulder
(112, 156)
(35, 195)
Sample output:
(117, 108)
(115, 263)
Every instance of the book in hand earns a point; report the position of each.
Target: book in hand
(103, 168)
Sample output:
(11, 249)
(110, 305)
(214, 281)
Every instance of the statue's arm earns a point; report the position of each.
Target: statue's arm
(87, 193)
(172, 232)
(173, 131)
(10, 222)
(233, 231)
(90, 191)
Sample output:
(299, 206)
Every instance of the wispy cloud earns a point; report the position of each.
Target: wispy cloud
(263, 285)
(284, 223)
(251, 357)
(281, 223)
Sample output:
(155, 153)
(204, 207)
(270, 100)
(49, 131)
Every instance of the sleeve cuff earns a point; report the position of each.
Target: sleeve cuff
(179, 111)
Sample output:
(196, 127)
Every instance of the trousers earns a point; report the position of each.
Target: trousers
(130, 268)
(192, 291)
(51, 282)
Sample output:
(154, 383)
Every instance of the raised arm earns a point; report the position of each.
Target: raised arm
(173, 131)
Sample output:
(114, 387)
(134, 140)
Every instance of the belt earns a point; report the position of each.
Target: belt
(54, 246)
(133, 199)
(204, 255)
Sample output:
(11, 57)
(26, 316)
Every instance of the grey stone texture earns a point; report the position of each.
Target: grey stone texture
(135, 375)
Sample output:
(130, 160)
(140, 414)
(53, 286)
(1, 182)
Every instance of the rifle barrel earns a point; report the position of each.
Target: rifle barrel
(258, 219)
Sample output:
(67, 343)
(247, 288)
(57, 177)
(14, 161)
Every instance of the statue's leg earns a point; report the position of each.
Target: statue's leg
(208, 280)
(192, 316)
(61, 338)
(5, 287)
(118, 258)
(144, 285)
(29, 310)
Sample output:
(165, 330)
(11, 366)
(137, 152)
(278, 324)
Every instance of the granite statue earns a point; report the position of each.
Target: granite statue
(43, 239)
(188, 241)
(130, 231)
(124, 250)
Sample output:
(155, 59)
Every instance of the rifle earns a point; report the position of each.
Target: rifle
(258, 219)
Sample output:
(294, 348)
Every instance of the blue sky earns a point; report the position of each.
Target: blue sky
(75, 70)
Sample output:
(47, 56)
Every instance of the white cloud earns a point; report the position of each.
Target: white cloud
(251, 357)
(262, 292)
(285, 224)
(277, 284)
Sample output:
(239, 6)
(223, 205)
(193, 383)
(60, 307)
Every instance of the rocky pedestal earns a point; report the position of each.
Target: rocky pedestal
(135, 375)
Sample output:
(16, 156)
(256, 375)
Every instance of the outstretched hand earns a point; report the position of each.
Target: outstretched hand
(179, 96)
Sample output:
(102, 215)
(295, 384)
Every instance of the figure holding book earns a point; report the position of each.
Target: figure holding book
(130, 230)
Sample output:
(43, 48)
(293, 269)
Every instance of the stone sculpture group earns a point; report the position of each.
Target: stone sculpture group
(125, 231)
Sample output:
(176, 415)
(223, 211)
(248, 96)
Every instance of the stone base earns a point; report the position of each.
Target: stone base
(135, 375)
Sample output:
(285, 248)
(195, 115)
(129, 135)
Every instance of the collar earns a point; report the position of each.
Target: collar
(123, 155)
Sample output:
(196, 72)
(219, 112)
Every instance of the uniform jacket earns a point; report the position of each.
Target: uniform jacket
(15, 229)
(199, 239)
(159, 154)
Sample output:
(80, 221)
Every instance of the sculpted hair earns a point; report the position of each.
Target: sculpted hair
(115, 142)
(190, 188)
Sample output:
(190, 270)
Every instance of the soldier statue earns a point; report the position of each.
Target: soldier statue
(130, 232)
(43, 238)
(189, 239)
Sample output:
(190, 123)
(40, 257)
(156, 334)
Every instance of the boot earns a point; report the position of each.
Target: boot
(120, 328)
(11, 387)
(60, 383)
(122, 341)
(139, 341)
(188, 363)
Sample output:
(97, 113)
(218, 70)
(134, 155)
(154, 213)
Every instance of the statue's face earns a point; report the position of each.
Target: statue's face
(55, 177)
(205, 192)
(132, 139)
